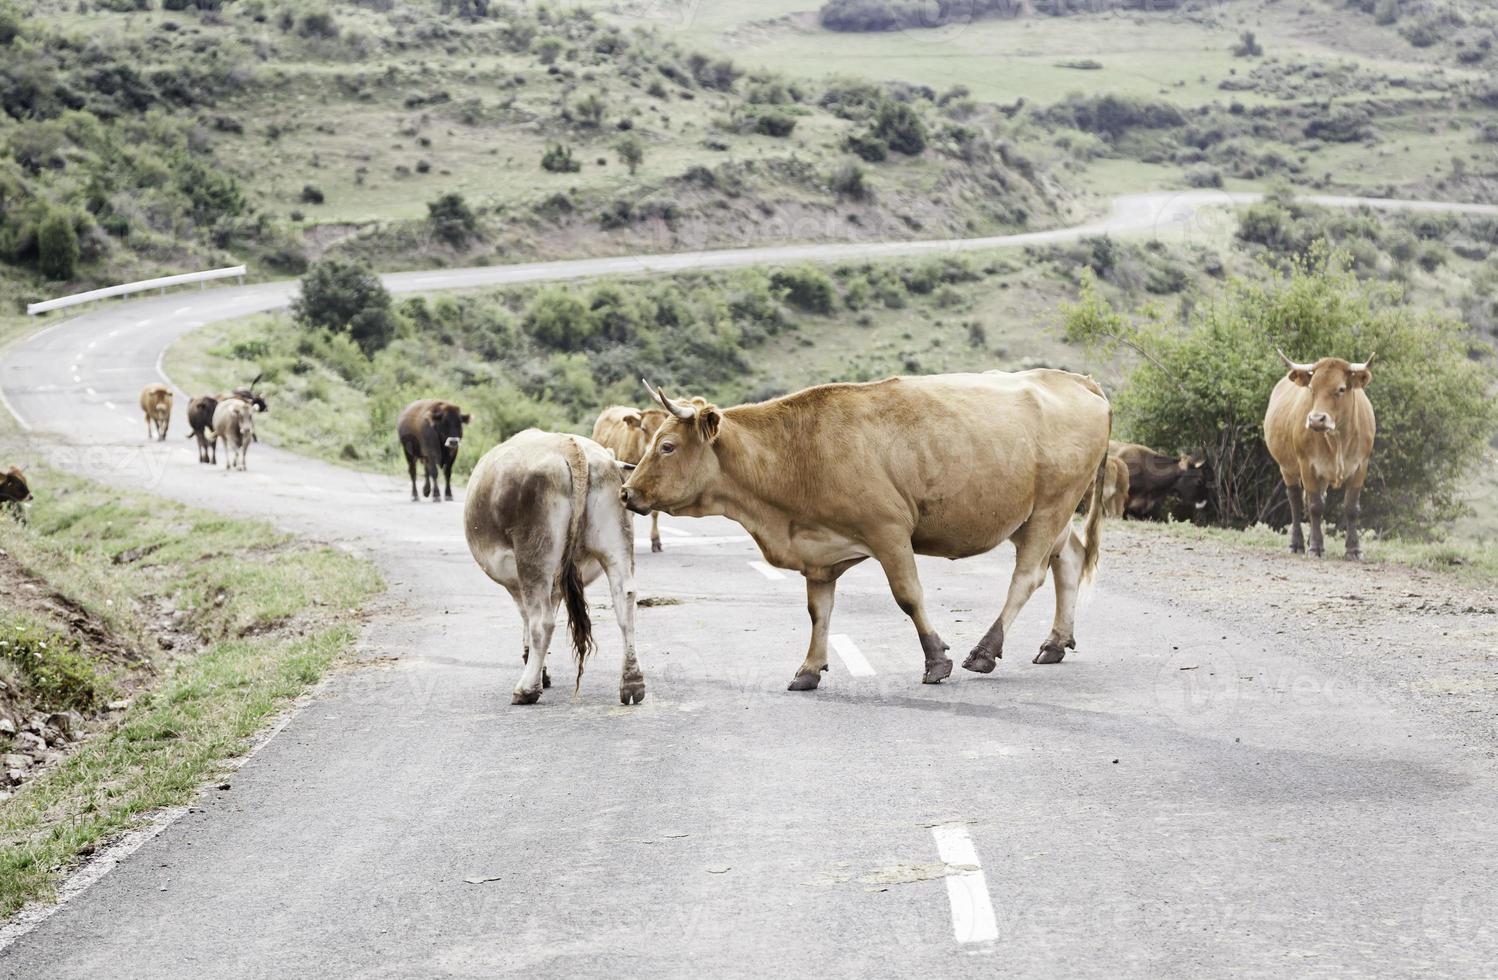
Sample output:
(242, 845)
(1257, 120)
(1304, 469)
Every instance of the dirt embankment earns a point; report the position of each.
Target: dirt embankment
(1426, 636)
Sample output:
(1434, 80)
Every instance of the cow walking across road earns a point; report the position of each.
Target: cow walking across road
(543, 518)
(1319, 428)
(627, 432)
(156, 404)
(946, 465)
(234, 423)
(200, 417)
(431, 431)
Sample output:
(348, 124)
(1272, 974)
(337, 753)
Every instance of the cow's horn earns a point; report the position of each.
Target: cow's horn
(1364, 365)
(1291, 364)
(257, 380)
(685, 414)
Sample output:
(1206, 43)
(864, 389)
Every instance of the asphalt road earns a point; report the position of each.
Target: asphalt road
(1110, 816)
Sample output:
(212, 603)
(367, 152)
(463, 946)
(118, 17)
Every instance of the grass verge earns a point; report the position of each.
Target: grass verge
(200, 628)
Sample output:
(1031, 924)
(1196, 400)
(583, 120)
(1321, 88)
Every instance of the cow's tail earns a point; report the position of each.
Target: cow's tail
(579, 623)
(1092, 545)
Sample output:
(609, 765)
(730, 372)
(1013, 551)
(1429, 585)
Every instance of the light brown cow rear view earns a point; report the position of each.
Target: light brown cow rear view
(156, 404)
(1319, 428)
(234, 422)
(627, 431)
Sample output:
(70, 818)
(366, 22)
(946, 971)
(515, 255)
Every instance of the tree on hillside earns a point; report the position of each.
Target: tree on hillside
(898, 125)
(57, 246)
(631, 153)
(452, 220)
(346, 297)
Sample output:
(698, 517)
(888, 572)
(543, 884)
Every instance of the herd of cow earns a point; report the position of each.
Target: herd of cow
(826, 478)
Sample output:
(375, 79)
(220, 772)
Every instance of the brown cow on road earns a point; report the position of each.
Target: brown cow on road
(14, 493)
(200, 417)
(1154, 477)
(1319, 428)
(156, 404)
(431, 431)
(627, 432)
(543, 518)
(947, 465)
(234, 422)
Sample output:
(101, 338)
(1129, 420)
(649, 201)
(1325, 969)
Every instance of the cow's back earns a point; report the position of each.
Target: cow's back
(961, 459)
(611, 431)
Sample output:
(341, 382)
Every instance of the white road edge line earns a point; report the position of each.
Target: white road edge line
(967, 891)
(852, 657)
(109, 405)
(768, 571)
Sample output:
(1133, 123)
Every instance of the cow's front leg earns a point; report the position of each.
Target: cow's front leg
(821, 590)
(1296, 496)
(1352, 506)
(447, 475)
(1316, 507)
(898, 562)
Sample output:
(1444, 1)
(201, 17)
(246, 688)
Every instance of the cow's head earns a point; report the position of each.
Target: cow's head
(1331, 380)
(13, 488)
(1193, 483)
(447, 421)
(253, 397)
(680, 460)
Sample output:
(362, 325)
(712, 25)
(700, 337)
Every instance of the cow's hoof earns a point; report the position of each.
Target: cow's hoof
(449, 495)
(1316, 553)
(805, 682)
(632, 691)
(937, 671)
(525, 697)
(1049, 653)
(655, 544)
(545, 677)
(980, 662)
(1355, 556)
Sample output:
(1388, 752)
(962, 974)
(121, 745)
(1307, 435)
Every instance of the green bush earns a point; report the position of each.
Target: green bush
(867, 147)
(848, 181)
(898, 125)
(806, 287)
(57, 246)
(776, 124)
(558, 160)
(452, 220)
(557, 319)
(1204, 386)
(346, 297)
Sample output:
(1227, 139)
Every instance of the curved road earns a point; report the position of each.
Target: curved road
(1115, 815)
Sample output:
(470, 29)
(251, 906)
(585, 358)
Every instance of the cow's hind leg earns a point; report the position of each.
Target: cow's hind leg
(655, 530)
(538, 607)
(1066, 574)
(1296, 496)
(1033, 545)
(525, 638)
(622, 590)
(1352, 509)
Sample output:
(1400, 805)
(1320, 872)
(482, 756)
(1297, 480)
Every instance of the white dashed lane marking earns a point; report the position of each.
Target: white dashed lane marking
(768, 571)
(852, 657)
(967, 890)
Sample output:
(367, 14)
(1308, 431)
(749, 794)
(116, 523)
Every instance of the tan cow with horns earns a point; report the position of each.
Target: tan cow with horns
(1319, 428)
(947, 465)
(627, 431)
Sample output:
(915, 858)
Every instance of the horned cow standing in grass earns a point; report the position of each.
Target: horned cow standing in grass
(543, 519)
(1319, 428)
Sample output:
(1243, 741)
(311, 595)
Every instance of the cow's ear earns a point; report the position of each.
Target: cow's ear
(1359, 378)
(707, 420)
(634, 420)
(1300, 376)
(466, 418)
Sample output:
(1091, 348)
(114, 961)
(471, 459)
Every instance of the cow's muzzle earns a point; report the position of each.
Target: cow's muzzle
(631, 501)
(1320, 422)
(452, 442)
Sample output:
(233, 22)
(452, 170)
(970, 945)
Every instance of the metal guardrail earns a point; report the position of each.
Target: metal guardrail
(126, 289)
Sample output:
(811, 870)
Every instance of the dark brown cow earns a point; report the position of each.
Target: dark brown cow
(431, 431)
(1319, 428)
(1155, 477)
(14, 493)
